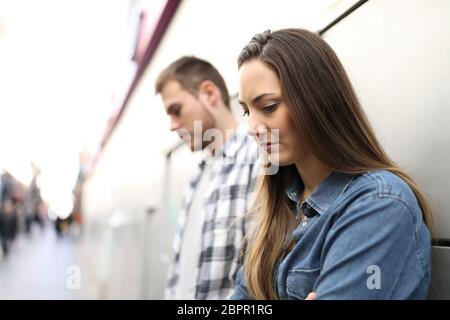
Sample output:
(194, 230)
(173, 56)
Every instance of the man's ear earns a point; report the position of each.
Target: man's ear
(209, 93)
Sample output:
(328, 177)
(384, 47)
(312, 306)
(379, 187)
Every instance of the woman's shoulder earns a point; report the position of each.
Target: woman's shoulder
(383, 184)
(377, 196)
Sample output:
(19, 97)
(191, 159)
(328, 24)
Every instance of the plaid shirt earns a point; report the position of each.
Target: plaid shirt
(228, 196)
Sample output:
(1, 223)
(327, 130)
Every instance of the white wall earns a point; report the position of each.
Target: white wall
(395, 52)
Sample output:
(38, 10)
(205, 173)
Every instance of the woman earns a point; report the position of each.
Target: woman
(339, 218)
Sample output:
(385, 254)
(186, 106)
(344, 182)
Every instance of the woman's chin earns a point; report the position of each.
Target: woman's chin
(276, 159)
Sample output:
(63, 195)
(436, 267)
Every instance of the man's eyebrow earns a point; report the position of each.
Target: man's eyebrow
(242, 103)
(257, 98)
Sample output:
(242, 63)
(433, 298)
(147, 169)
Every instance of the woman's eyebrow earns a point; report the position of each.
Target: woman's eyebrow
(258, 98)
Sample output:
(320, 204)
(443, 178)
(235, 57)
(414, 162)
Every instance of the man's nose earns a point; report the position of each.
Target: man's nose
(174, 124)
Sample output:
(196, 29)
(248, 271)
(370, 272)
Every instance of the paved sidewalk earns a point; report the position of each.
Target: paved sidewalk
(39, 267)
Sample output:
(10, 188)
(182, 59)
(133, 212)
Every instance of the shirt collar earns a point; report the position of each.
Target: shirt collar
(322, 197)
(234, 142)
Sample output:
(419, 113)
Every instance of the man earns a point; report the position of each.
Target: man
(211, 223)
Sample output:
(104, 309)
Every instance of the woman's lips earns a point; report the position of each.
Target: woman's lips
(268, 146)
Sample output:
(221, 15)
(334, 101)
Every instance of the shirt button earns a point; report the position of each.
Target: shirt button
(304, 223)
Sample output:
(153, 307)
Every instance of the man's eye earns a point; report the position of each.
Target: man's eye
(270, 108)
(176, 111)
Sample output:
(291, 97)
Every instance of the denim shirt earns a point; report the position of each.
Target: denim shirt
(363, 238)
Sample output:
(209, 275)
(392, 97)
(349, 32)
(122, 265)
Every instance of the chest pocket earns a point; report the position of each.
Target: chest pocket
(300, 282)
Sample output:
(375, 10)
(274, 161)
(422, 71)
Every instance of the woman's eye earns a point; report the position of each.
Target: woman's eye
(270, 108)
(246, 113)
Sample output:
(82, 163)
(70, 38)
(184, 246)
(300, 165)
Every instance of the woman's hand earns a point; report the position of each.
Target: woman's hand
(311, 296)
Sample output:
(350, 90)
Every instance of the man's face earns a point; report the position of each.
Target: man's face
(184, 109)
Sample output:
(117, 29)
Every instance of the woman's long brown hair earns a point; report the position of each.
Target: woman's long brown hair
(328, 117)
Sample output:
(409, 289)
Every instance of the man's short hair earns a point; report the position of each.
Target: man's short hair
(190, 72)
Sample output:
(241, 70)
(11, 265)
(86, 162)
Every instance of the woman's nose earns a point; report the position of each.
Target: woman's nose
(258, 131)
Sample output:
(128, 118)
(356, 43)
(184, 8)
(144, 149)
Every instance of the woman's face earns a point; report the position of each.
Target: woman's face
(269, 120)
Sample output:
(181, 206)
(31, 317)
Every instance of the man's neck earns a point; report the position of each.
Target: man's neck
(226, 126)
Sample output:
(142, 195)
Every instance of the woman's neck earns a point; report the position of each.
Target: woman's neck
(313, 172)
